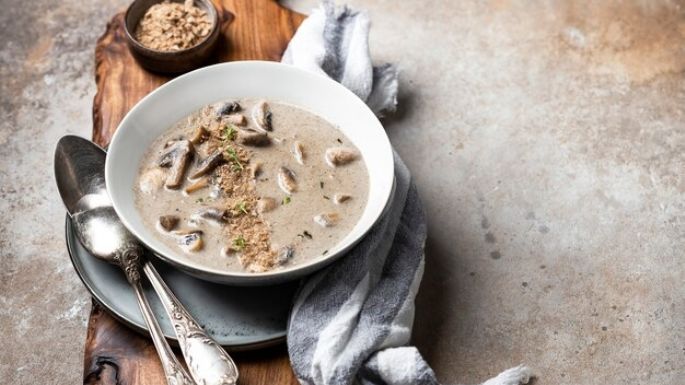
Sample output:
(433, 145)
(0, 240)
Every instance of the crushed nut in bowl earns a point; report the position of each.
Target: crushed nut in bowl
(172, 36)
(173, 26)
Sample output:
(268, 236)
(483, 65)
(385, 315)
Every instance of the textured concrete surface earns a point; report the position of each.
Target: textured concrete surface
(46, 89)
(546, 138)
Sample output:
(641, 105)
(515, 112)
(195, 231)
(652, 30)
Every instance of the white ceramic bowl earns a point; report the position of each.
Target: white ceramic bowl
(178, 98)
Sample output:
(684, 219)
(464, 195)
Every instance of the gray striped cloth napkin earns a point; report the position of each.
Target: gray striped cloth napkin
(351, 322)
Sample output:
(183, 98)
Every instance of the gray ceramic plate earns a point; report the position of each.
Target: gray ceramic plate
(239, 318)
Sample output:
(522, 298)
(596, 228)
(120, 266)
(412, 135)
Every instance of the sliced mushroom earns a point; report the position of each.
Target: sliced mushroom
(264, 205)
(298, 152)
(212, 214)
(208, 164)
(168, 222)
(286, 180)
(176, 157)
(200, 135)
(197, 185)
(338, 156)
(169, 153)
(284, 254)
(341, 198)
(255, 169)
(189, 240)
(262, 116)
(235, 119)
(228, 108)
(151, 180)
(327, 219)
(249, 137)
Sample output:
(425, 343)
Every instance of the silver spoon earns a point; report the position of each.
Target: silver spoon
(79, 170)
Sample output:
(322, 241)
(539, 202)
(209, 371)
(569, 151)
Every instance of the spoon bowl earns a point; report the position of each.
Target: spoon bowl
(78, 172)
(101, 233)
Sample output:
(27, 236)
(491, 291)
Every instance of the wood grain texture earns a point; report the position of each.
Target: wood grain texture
(250, 29)
(117, 355)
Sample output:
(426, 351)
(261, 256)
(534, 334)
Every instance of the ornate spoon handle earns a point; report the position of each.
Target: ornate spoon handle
(129, 260)
(173, 370)
(208, 362)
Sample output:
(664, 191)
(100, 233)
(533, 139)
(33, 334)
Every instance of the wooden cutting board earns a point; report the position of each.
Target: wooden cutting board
(250, 29)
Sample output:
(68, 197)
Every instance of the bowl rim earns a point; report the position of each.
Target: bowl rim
(171, 54)
(245, 277)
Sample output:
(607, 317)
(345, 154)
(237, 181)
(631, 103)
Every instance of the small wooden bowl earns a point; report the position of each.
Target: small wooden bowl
(173, 62)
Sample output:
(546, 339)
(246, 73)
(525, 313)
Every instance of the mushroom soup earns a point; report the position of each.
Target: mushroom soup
(252, 186)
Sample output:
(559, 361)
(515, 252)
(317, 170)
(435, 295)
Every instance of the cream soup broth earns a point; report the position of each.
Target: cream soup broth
(252, 185)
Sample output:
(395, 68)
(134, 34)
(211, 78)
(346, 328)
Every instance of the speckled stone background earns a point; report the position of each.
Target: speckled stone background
(547, 139)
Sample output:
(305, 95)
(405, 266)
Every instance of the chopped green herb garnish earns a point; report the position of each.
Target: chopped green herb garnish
(286, 200)
(339, 140)
(232, 154)
(321, 184)
(239, 242)
(233, 157)
(199, 200)
(229, 132)
(326, 197)
(240, 206)
(324, 252)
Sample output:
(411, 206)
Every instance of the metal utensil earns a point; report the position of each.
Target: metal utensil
(79, 171)
(81, 185)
